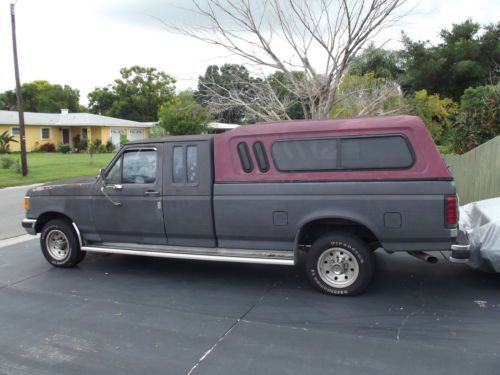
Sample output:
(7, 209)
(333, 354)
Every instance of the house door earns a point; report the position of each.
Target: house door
(135, 134)
(115, 136)
(65, 136)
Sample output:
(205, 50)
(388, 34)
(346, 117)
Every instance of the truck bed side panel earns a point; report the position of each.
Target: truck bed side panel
(269, 215)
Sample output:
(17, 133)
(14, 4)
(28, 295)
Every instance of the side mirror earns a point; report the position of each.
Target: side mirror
(103, 175)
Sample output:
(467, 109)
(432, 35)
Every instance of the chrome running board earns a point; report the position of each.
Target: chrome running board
(284, 258)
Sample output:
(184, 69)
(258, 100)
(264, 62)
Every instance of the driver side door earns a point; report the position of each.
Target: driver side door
(127, 206)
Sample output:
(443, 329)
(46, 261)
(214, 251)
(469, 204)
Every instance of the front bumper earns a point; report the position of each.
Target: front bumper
(460, 252)
(29, 225)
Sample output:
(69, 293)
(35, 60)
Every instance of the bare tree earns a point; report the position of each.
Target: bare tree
(316, 37)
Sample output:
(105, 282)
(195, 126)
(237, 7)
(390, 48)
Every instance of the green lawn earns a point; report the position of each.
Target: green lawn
(51, 166)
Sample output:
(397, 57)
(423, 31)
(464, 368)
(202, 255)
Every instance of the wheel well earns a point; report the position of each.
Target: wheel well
(47, 216)
(311, 231)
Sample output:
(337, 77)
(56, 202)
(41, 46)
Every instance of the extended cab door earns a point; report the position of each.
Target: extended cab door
(188, 185)
(127, 207)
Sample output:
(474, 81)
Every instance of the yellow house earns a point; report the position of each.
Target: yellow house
(62, 127)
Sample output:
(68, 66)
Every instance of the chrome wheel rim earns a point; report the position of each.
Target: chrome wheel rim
(338, 267)
(57, 244)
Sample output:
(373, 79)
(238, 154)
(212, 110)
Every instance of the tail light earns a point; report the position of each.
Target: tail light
(450, 211)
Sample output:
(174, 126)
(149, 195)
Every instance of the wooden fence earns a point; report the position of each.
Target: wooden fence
(477, 172)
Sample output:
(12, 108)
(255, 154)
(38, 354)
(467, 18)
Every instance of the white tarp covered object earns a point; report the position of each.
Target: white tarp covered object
(481, 221)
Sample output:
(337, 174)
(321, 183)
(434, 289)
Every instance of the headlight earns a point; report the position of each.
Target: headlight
(26, 203)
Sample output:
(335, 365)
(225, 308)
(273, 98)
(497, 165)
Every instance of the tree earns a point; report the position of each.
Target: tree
(42, 96)
(479, 119)
(217, 84)
(381, 62)
(465, 58)
(5, 140)
(137, 95)
(285, 35)
(368, 95)
(183, 115)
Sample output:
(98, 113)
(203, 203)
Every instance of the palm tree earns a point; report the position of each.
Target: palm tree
(5, 139)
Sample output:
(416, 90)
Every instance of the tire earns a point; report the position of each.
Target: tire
(60, 244)
(340, 264)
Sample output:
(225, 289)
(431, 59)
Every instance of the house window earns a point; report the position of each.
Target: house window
(45, 133)
(15, 131)
(84, 134)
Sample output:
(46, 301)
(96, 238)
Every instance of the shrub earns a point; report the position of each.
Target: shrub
(79, 144)
(48, 147)
(110, 147)
(6, 163)
(479, 119)
(437, 114)
(123, 139)
(16, 166)
(102, 149)
(97, 142)
(64, 148)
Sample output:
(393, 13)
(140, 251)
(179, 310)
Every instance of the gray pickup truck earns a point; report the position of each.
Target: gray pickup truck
(335, 190)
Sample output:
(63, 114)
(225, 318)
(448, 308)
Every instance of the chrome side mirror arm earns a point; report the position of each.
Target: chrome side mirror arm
(103, 190)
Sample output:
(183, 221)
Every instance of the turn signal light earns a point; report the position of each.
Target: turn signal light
(451, 211)
(26, 203)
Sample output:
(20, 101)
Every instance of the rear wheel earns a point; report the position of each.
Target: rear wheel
(340, 264)
(60, 244)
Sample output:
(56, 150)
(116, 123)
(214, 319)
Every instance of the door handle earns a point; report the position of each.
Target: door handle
(152, 193)
(118, 187)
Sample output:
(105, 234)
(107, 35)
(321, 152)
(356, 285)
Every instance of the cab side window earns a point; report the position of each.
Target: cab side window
(114, 175)
(134, 167)
(185, 165)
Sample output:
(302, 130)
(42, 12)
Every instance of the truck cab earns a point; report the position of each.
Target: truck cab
(336, 190)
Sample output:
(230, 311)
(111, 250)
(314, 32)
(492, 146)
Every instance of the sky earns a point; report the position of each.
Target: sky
(84, 43)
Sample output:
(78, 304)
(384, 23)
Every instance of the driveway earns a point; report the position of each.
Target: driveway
(12, 211)
(133, 315)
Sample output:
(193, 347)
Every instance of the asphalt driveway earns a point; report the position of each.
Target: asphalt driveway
(11, 211)
(132, 315)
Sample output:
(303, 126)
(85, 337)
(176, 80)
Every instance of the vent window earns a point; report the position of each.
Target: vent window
(261, 156)
(244, 154)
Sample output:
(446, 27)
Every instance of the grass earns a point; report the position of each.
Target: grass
(52, 166)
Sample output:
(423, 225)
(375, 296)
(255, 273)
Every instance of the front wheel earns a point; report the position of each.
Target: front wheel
(340, 264)
(60, 244)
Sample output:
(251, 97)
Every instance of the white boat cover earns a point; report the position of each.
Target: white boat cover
(481, 221)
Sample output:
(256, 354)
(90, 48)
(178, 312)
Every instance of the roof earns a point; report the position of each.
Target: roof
(69, 119)
(304, 126)
(427, 161)
(174, 138)
(222, 126)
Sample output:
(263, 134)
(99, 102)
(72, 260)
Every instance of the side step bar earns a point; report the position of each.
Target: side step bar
(284, 258)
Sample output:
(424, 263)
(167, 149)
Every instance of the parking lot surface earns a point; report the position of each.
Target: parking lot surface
(133, 315)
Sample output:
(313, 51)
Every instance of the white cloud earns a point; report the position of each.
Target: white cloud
(84, 43)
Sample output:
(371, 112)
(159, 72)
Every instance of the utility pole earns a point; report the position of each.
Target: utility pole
(24, 161)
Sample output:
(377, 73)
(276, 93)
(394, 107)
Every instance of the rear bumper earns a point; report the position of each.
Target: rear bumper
(29, 225)
(460, 252)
